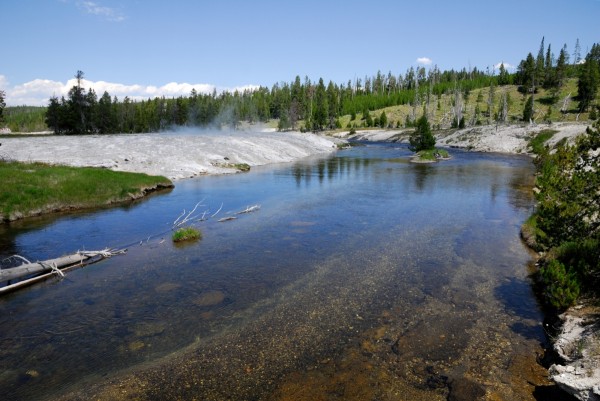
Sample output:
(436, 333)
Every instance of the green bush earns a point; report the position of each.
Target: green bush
(537, 143)
(561, 287)
(566, 222)
(187, 234)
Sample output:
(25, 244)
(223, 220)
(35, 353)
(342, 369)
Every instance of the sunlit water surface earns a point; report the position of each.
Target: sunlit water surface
(362, 276)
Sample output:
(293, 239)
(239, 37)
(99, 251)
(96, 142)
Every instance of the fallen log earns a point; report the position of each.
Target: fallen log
(47, 268)
(40, 267)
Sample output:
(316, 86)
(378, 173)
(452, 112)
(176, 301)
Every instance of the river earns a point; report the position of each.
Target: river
(362, 276)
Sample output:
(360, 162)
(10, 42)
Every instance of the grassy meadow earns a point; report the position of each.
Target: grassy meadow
(30, 189)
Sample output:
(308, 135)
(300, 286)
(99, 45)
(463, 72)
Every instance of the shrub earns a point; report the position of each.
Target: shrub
(186, 234)
(561, 287)
(537, 142)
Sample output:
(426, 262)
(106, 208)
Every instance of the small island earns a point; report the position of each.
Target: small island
(422, 142)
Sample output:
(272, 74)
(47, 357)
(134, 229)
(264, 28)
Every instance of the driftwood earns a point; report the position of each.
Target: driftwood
(48, 268)
(40, 267)
(249, 209)
(189, 217)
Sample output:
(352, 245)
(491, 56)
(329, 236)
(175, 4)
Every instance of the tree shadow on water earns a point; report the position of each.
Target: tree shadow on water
(518, 299)
(554, 393)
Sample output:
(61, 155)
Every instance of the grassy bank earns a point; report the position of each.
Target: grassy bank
(30, 189)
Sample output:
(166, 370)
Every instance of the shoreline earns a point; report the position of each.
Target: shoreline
(485, 138)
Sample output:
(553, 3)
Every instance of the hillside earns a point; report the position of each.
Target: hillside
(547, 107)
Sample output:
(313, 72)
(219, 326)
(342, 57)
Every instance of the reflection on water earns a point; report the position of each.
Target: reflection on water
(363, 276)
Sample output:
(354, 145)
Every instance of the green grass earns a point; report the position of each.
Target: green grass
(532, 235)
(186, 234)
(244, 167)
(30, 189)
(433, 154)
(537, 143)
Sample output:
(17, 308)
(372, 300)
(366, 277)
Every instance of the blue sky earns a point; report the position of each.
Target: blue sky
(149, 48)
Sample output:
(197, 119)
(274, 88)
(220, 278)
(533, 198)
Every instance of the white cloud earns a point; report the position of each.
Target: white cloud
(39, 91)
(108, 13)
(424, 61)
(506, 65)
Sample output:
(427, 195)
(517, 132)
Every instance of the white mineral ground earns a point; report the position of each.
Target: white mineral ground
(184, 154)
(175, 155)
(485, 138)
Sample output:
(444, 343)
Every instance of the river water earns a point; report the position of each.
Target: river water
(362, 276)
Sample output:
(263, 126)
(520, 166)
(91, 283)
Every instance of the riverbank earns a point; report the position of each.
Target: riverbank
(578, 345)
(485, 138)
(175, 155)
(33, 189)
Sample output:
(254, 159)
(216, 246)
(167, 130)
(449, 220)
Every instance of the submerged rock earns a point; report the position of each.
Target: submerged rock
(463, 389)
(210, 298)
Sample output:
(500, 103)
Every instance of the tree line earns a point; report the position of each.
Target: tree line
(317, 105)
(549, 72)
(307, 105)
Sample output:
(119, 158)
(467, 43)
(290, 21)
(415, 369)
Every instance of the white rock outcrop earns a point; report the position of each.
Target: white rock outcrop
(578, 344)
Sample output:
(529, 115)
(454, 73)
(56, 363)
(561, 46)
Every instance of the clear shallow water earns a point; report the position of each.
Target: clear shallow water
(362, 275)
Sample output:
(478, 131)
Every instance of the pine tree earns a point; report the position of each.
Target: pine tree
(528, 111)
(105, 117)
(567, 56)
(332, 103)
(53, 115)
(560, 72)
(491, 101)
(422, 138)
(2, 105)
(549, 72)
(320, 107)
(503, 76)
(587, 86)
(539, 65)
(383, 121)
(577, 53)
(526, 74)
